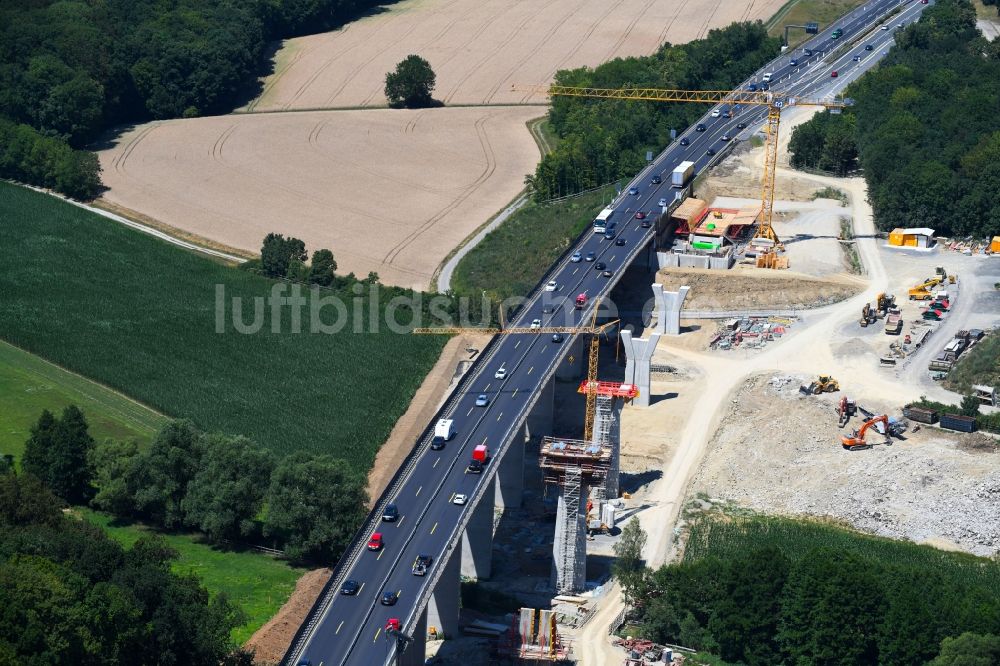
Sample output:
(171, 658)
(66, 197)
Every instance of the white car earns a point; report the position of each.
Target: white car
(459, 499)
(536, 323)
(501, 373)
(551, 286)
(662, 202)
(885, 27)
(716, 113)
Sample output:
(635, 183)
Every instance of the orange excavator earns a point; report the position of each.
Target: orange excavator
(857, 440)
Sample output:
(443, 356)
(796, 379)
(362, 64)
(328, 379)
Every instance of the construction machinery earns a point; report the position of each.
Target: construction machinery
(867, 315)
(922, 292)
(884, 303)
(823, 384)
(846, 408)
(593, 386)
(765, 237)
(857, 440)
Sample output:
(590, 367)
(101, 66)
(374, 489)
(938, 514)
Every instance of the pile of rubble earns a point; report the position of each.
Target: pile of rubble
(750, 332)
(640, 652)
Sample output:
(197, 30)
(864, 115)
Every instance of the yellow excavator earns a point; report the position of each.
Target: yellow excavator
(823, 384)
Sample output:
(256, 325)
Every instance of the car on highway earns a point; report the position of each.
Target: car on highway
(741, 126)
(577, 257)
(646, 224)
(833, 74)
(656, 180)
(501, 373)
(392, 624)
(869, 47)
(376, 543)
(662, 202)
(548, 308)
(765, 86)
(475, 467)
(421, 565)
(459, 499)
(391, 513)
(684, 141)
(856, 58)
(607, 274)
(793, 62)
(389, 598)
(640, 215)
(885, 27)
(700, 127)
(350, 587)
(536, 323)
(725, 137)
(633, 191)
(752, 87)
(716, 113)
(557, 337)
(551, 286)
(620, 242)
(899, 26)
(600, 266)
(482, 400)
(609, 234)
(710, 152)
(808, 52)
(591, 256)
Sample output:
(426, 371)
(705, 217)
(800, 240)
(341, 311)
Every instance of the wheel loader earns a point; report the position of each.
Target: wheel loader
(823, 384)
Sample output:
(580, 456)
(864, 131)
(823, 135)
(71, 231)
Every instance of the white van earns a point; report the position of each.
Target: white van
(767, 77)
(444, 430)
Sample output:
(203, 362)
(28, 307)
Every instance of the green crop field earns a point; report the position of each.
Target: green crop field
(139, 315)
(258, 583)
(515, 255)
(29, 384)
(732, 536)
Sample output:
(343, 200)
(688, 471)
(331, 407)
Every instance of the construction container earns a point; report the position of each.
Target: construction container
(920, 414)
(920, 237)
(995, 245)
(958, 422)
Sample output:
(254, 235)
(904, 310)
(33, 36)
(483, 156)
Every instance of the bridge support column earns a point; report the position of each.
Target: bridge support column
(416, 650)
(539, 421)
(442, 610)
(477, 542)
(639, 353)
(668, 308)
(510, 476)
(574, 364)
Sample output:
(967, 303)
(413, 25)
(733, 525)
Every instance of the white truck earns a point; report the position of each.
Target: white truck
(681, 174)
(444, 430)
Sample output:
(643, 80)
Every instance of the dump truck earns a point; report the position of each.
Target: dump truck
(422, 564)
(681, 174)
(893, 324)
(823, 384)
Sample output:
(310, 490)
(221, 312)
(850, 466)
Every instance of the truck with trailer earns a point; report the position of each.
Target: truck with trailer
(480, 455)
(681, 174)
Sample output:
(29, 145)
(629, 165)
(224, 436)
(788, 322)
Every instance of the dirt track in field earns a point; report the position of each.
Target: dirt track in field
(478, 49)
(388, 191)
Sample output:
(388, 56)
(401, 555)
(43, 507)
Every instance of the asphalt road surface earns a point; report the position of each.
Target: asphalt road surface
(351, 630)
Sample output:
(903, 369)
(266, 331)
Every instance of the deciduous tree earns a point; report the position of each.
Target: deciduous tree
(411, 84)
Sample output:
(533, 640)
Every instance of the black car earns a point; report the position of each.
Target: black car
(656, 180)
(869, 47)
(646, 224)
(741, 126)
(710, 152)
(548, 309)
(808, 52)
(474, 467)
(765, 85)
(620, 242)
(700, 127)
(557, 337)
(600, 266)
(389, 598)
(391, 513)
(685, 142)
(350, 588)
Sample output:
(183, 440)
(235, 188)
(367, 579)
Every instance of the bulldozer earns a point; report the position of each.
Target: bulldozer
(846, 408)
(823, 384)
(867, 315)
(857, 440)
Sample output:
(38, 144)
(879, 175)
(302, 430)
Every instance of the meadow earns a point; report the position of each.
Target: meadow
(258, 584)
(29, 385)
(139, 315)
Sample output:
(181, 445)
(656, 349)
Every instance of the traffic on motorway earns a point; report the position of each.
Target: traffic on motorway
(377, 587)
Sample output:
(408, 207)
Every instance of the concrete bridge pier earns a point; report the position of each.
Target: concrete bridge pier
(510, 476)
(639, 353)
(539, 421)
(477, 542)
(668, 309)
(442, 610)
(574, 364)
(414, 654)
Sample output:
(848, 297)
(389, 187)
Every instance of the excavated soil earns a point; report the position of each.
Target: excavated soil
(270, 642)
(778, 451)
(755, 289)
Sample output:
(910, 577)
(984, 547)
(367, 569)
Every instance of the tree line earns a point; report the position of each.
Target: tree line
(226, 487)
(772, 605)
(602, 140)
(924, 128)
(70, 70)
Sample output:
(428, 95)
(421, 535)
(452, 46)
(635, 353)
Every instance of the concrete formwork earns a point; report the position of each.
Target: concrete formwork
(638, 353)
(477, 542)
(668, 309)
(442, 609)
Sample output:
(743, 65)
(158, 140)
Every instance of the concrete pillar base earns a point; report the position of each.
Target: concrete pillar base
(639, 353)
(416, 650)
(668, 309)
(442, 610)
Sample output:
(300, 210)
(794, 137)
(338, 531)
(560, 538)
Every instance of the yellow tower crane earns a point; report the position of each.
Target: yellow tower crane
(773, 100)
(592, 385)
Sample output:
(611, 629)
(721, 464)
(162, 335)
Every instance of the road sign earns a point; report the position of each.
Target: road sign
(812, 28)
(649, 155)
(673, 134)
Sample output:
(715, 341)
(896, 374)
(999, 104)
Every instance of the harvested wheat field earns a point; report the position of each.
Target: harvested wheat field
(479, 49)
(388, 191)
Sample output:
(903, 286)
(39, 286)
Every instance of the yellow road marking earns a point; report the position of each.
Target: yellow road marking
(499, 417)
(434, 528)
(376, 634)
(530, 369)
(514, 393)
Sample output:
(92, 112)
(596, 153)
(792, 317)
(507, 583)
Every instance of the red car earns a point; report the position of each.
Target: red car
(833, 74)
(375, 543)
(640, 215)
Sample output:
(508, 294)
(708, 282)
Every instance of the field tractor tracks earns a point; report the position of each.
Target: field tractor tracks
(670, 23)
(708, 21)
(122, 157)
(628, 31)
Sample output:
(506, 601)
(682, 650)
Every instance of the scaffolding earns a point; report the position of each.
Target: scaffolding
(533, 637)
(569, 561)
(607, 431)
